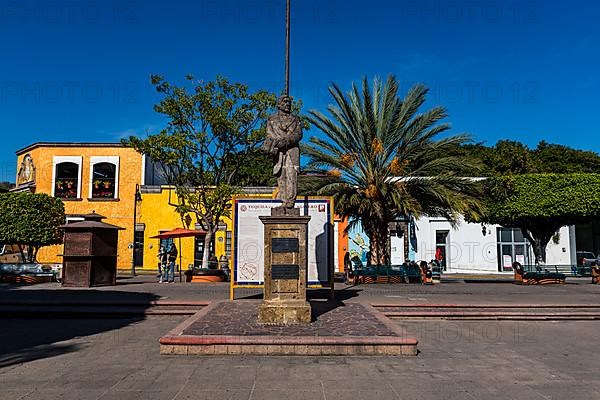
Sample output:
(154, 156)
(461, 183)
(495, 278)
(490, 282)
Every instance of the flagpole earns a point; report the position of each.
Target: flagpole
(287, 48)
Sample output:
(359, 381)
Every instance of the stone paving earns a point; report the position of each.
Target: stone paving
(100, 359)
(452, 290)
(240, 319)
(119, 358)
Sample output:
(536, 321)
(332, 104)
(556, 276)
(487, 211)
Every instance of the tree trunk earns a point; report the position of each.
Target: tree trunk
(207, 240)
(378, 245)
(36, 250)
(23, 258)
(406, 237)
(539, 237)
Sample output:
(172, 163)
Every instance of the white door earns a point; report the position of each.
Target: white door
(397, 247)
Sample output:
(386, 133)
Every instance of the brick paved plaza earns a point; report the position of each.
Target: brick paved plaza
(116, 358)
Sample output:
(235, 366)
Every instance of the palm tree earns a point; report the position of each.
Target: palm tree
(390, 160)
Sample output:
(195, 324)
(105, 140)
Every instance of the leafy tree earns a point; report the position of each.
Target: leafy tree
(540, 204)
(5, 186)
(555, 158)
(255, 169)
(374, 137)
(208, 146)
(310, 184)
(30, 221)
(509, 157)
(474, 153)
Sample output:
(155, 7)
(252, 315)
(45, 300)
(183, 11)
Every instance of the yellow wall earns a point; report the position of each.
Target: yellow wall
(154, 211)
(118, 212)
(157, 215)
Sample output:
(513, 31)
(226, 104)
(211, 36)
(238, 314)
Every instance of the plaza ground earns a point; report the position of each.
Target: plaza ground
(116, 358)
(466, 290)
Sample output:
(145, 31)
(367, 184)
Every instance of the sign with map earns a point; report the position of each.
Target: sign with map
(248, 254)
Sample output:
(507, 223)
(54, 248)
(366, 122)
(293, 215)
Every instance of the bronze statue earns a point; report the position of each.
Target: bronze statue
(284, 132)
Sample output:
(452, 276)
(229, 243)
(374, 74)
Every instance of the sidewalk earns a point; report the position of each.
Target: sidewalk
(144, 290)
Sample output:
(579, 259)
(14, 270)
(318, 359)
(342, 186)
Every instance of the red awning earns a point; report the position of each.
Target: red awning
(179, 233)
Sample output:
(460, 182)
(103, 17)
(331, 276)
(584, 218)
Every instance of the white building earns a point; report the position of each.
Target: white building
(476, 248)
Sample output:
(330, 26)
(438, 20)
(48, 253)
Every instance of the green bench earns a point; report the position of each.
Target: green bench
(360, 274)
(538, 275)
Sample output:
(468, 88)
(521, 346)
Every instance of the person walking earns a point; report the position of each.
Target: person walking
(172, 257)
(162, 263)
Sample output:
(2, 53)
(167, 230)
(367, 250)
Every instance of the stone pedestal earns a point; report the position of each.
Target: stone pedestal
(286, 268)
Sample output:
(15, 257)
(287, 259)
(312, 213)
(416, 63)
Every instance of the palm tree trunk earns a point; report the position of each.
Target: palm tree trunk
(379, 245)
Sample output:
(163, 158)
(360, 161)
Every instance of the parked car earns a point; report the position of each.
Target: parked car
(586, 258)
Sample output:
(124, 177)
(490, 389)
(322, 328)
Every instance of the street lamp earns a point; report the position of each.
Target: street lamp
(137, 198)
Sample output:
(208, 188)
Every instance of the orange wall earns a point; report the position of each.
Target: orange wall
(342, 242)
(118, 212)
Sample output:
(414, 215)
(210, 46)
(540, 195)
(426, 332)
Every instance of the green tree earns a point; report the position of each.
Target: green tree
(389, 158)
(255, 169)
(540, 204)
(555, 158)
(509, 157)
(30, 221)
(474, 154)
(212, 135)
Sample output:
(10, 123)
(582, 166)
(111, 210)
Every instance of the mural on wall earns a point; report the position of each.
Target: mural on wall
(26, 171)
(358, 244)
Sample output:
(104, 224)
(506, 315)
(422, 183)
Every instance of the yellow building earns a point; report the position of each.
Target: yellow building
(156, 215)
(100, 177)
(104, 177)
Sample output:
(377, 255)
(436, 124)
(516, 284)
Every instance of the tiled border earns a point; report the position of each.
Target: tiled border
(175, 343)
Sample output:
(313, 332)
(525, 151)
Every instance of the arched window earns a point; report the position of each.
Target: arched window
(104, 184)
(66, 182)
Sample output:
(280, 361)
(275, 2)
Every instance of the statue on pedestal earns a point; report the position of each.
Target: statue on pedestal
(284, 133)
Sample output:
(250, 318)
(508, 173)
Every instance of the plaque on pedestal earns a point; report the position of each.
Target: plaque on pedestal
(285, 271)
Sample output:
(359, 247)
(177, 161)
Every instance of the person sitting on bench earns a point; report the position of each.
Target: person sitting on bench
(595, 273)
(426, 274)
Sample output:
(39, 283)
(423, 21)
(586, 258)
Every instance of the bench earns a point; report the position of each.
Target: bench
(538, 275)
(360, 274)
(27, 273)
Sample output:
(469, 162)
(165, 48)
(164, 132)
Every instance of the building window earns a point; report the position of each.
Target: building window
(166, 243)
(66, 182)
(441, 248)
(104, 177)
(199, 250)
(228, 244)
(138, 245)
(512, 247)
(104, 182)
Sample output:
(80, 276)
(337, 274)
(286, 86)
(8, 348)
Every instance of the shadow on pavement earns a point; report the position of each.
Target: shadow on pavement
(42, 331)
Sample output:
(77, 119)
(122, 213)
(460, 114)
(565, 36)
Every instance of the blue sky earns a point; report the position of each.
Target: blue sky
(79, 71)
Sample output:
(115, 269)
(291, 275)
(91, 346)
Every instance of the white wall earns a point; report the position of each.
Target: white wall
(469, 250)
(560, 254)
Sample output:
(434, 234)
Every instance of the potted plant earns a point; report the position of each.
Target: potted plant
(97, 184)
(60, 185)
(69, 184)
(106, 184)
